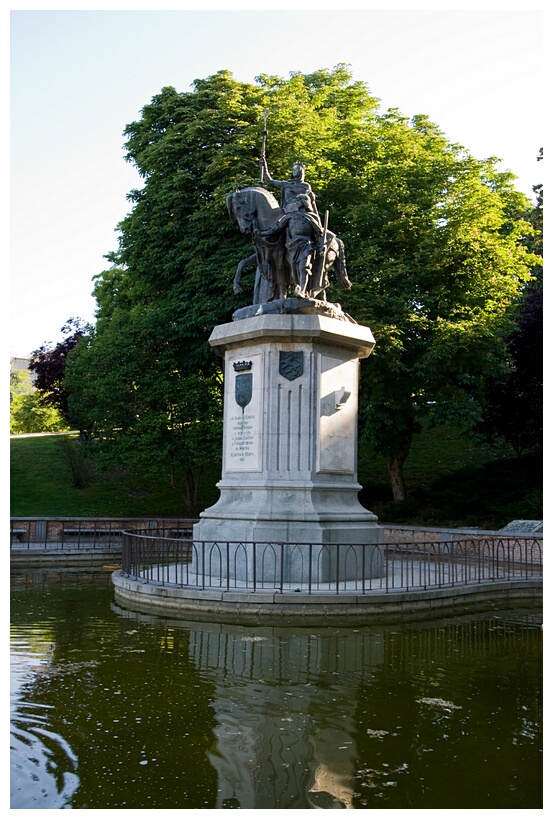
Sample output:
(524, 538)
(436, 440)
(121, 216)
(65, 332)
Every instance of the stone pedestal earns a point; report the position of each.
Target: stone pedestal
(290, 440)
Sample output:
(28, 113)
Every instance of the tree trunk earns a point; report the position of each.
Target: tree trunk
(395, 469)
(188, 491)
(192, 487)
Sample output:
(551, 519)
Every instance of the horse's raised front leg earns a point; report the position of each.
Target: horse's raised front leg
(236, 286)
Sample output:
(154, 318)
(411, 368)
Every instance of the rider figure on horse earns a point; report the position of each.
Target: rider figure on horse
(290, 189)
(304, 240)
(301, 221)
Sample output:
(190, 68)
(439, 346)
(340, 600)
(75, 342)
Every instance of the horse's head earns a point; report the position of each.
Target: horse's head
(252, 208)
(241, 209)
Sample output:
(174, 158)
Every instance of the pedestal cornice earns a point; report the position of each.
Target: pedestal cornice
(294, 328)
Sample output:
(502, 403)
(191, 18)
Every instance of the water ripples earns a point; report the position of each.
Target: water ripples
(43, 764)
(115, 710)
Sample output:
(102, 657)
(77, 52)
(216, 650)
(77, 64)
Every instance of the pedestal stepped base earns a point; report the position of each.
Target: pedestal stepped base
(290, 446)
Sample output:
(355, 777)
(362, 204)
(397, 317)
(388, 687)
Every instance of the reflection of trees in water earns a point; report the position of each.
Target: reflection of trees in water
(462, 719)
(447, 638)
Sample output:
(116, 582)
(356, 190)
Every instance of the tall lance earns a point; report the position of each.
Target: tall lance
(325, 234)
(263, 145)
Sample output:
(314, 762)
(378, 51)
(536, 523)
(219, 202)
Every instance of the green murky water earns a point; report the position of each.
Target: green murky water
(112, 709)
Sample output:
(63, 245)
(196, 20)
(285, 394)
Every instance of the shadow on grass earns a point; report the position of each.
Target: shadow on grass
(487, 496)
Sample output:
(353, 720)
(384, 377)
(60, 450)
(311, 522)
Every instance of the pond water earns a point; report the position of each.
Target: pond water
(115, 709)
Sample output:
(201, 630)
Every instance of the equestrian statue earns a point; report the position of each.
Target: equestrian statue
(292, 248)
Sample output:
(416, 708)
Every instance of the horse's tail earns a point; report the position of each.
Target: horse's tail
(340, 266)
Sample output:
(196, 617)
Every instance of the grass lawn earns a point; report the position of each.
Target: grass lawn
(450, 480)
(42, 484)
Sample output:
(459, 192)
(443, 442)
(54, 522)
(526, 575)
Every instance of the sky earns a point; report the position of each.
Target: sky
(78, 77)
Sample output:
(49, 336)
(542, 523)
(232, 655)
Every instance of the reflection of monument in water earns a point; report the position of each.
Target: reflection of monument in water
(282, 739)
(290, 409)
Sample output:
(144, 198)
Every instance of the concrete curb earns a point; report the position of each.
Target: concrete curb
(312, 609)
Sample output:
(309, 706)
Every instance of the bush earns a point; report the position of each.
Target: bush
(28, 414)
(74, 457)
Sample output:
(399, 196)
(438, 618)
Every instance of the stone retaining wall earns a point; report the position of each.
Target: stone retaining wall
(434, 534)
(51, 529)
(317, 608)
(39, 529)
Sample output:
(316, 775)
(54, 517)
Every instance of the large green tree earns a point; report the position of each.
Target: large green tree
(134, 397)
(436, 279)
(513, 403)
(433, 237)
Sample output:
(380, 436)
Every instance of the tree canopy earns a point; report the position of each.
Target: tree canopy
(513, 403)
(436, 244)
(132, 393)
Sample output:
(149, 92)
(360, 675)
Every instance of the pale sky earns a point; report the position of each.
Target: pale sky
(79, 77)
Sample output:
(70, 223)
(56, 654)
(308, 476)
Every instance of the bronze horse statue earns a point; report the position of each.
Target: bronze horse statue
(256, 209)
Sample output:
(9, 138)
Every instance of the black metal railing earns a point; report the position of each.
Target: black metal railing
(345, 568)
(84, 534)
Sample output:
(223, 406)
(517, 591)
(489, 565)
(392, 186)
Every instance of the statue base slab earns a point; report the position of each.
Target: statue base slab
(293, 306)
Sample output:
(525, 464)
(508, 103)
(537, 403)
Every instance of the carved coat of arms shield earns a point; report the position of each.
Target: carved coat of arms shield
(243, 389)
(290, 364)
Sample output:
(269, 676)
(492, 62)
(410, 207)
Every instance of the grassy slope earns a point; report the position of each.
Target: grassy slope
(41, 484)
(451, 481)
